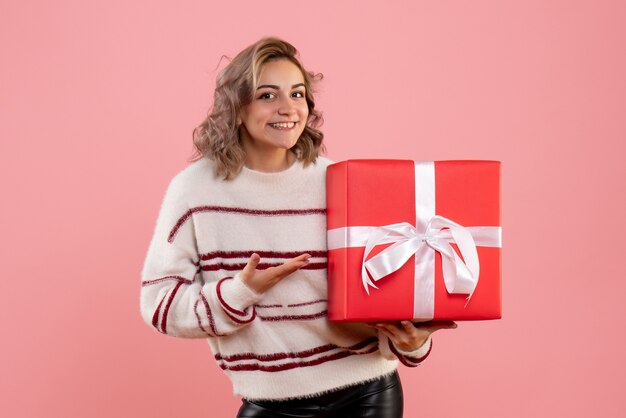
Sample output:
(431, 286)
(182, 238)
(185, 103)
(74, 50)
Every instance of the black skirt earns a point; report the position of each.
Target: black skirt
(380, 398)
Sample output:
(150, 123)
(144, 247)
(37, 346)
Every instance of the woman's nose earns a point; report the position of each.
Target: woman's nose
(286, 107)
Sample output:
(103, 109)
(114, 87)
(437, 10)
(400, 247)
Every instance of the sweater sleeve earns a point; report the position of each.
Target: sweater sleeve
(408, 358)
(175, 299)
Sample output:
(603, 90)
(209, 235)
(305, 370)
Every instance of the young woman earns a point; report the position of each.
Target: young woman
(238, 255)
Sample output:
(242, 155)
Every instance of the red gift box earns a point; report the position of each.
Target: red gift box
(413, 240)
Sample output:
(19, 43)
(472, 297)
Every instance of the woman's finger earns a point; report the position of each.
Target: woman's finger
(408, 327)
(391, 328)
(254, 260)
(387, 333)
(292, 265)
(422, 324)
(433, 326)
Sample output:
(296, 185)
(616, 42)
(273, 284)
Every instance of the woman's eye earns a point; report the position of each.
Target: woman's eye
(270, 95)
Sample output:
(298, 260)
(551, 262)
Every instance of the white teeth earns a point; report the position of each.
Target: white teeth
(283, 125)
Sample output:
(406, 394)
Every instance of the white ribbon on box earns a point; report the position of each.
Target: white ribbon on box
(431, 233)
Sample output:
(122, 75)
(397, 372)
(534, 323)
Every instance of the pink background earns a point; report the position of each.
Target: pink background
(98, 101)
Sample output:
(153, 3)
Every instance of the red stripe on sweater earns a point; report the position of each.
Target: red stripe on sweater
(294, 317)
(218, 289)
(260, 266)
(167, 307)
(245, 211)
(195, 310)
(262, 254)
(229, 310)
(293, 365)
(155, 316)
(176, 278)
(408, 360)
(209, 315)
(241, 321)
(298, 354)
(293, 305)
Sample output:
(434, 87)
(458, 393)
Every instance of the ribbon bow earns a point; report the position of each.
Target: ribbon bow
(460, 274)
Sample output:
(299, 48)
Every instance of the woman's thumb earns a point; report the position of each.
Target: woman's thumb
(252, 263)
(447, 325)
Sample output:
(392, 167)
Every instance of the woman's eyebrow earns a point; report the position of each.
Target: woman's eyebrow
(271, 86)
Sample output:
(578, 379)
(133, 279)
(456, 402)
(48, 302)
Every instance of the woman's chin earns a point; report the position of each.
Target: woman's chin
(286, 144)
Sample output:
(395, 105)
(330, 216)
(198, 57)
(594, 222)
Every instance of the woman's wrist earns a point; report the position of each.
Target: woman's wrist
(419, 344)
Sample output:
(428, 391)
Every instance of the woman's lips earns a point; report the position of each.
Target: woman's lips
(283, 126)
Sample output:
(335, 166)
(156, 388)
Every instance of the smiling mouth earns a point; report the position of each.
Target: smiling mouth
(283, 125)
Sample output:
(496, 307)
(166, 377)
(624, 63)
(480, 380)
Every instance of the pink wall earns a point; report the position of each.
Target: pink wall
(97, 107)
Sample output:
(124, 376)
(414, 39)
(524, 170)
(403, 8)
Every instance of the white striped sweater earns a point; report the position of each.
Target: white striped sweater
(275, 345)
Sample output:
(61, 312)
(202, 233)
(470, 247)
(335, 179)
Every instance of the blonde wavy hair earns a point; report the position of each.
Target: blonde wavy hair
(217, 137)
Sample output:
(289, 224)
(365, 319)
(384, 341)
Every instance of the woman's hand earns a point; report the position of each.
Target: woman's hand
(261, 280)
(409, 336)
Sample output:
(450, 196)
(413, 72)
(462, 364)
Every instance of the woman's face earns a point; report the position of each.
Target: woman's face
(278, 112)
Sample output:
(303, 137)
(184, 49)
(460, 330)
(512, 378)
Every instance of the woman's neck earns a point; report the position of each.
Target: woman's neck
(270, 162)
